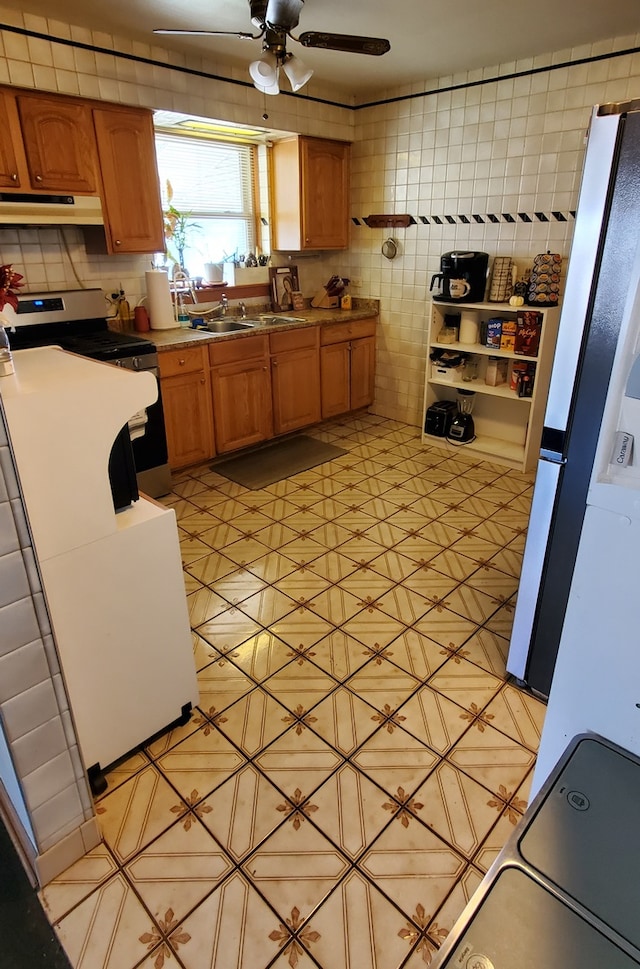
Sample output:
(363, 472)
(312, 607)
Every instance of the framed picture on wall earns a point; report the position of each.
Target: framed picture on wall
(284, 282)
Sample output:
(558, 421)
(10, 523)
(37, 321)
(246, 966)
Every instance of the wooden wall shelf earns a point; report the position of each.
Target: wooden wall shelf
(389, 221)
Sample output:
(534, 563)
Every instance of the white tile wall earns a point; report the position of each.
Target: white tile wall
(33, 714)
(514, 145)
(507, 146)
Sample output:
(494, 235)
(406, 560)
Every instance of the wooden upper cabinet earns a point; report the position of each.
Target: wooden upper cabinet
(59, 144)
(310, 207)
(131, 190)
(13, 164)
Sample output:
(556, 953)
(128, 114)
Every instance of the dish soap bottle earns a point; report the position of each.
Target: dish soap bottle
(6, 360)
(183, 316)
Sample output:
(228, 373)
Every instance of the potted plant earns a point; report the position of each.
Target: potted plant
(176, 229)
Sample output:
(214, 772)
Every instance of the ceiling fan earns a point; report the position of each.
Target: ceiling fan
(275, 19)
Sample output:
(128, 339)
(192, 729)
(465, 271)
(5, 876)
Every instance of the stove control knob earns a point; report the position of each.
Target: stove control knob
(136, 363)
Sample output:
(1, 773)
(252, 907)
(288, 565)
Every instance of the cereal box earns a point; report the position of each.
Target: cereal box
(508, 335)
(494, 333)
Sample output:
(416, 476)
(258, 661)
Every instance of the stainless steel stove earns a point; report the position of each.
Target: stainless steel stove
(75, 320)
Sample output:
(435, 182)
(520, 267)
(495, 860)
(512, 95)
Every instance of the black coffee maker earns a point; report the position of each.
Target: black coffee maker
(462, 277)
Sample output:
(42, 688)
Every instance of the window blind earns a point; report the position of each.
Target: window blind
(209, 179)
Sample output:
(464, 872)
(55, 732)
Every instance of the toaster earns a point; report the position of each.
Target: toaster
(439, 416)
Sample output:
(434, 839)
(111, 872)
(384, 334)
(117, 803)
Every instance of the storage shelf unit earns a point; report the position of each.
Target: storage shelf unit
(508, 427)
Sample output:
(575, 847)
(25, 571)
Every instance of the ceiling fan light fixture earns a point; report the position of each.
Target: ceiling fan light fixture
(264, 73)
(297, 71)
(271, 89)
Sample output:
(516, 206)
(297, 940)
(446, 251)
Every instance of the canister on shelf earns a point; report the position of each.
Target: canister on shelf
(469, 326)
(496, 373)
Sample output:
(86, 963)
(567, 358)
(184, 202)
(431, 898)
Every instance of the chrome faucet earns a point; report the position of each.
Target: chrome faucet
(243, 310)
(217, 312)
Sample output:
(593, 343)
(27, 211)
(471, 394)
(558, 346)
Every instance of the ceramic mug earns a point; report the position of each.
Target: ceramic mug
(459, 288)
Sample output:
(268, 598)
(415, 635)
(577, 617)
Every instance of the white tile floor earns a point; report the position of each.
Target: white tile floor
(358, 756)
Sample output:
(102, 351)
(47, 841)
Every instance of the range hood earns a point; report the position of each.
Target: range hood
(32, 209)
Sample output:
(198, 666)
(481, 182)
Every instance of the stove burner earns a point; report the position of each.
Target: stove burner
(107, 345)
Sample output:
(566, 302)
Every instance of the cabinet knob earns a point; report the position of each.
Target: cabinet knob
(38, 178)
(117, 242)
(202, 380)
(182, 362)
(14, 177)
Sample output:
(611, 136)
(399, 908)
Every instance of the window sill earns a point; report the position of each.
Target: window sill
(211, 294)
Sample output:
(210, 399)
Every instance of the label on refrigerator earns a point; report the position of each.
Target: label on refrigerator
(622, 450)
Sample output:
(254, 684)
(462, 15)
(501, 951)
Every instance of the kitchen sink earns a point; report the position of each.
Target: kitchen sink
(272, 318)
(229, 326)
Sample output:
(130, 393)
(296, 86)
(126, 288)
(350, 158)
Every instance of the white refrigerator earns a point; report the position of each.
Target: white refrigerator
(596, 684)
(600, 277)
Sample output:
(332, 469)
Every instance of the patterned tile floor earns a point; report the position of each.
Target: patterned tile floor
(358, 757)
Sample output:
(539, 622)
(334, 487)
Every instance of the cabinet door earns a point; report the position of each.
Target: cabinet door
(295, 380)
(188, 419)
(335, 379)
(13, 173)
(363, 361)
(325, 193)
(241, 404)
(59, 143)
(131, 191)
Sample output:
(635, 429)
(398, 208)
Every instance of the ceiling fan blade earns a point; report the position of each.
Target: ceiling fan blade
(351, 44)
(284, 13)
(242, 34)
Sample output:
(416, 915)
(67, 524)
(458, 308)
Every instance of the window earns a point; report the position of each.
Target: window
(213, 185)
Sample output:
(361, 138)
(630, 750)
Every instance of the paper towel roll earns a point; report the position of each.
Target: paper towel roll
(469, 327)
(160, 304)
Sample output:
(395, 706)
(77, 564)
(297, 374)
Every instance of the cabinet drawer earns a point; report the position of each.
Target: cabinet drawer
(172, 362)
(239, 350)
(340, 332)
(302, 339)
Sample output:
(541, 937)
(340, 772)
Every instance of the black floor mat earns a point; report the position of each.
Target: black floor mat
(28, 941)
(272, 463)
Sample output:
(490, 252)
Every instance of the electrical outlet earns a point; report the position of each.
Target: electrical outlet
(356, 282)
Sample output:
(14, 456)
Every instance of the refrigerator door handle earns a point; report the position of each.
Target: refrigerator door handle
(542, 509)
(552, 456)
(553, 444)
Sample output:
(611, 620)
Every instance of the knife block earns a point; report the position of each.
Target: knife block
(324, 301)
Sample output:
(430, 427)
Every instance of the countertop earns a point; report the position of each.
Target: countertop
(177, 336)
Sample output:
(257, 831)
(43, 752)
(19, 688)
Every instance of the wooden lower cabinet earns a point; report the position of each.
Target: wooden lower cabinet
(347, 366)
(295, 379)
(186, 401)
(335, 361)
(363, 364)
(241, 391)
(222, 397)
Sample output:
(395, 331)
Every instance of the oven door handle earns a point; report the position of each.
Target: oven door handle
(137, 424)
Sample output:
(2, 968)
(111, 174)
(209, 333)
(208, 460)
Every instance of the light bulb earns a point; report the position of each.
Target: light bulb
(297, 72)
(264, 73)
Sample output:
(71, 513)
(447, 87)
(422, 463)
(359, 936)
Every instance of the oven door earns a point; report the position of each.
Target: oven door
(122, 471)
(150, 451)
